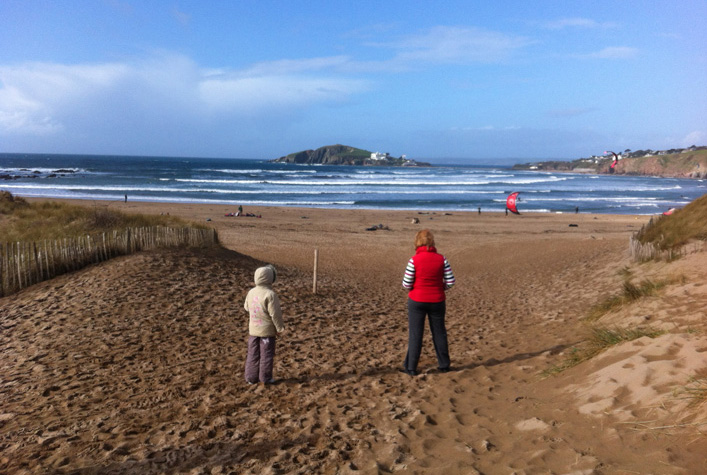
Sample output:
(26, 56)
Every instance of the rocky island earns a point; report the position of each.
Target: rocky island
(674, 163)
(346, 155)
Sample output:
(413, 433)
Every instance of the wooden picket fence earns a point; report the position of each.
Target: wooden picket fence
(26, 263)
(649, 252)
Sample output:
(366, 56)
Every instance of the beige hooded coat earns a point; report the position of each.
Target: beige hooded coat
(263, 305)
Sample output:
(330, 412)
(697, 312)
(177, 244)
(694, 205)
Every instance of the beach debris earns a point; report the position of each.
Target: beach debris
(487, 445)
(238, 214)
(511, 202)
(415, 221)
(574, 225)
(304, 217)
(377, 227)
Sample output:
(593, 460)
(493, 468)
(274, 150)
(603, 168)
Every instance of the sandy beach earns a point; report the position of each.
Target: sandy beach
(135, 365)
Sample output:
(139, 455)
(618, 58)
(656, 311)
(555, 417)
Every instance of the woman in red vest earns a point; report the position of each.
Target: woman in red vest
(427, 276)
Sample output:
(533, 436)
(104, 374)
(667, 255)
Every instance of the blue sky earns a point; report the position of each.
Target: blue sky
(453, 81)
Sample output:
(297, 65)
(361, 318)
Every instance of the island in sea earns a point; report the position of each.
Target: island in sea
(689, 162)
(346, 155)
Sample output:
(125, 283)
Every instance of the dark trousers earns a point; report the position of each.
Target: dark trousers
(259, 362)
(417, 311)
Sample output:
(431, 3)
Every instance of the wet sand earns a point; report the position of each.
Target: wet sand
(136, 365)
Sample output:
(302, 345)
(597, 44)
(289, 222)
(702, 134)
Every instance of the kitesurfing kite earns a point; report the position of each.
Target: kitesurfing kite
(511, 202)
(669, 212)
(616, 160)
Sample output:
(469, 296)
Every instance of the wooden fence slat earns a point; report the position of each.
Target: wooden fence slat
(2, 273)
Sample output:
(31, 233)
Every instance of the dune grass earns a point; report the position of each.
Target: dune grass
(598, 340)
(24, 221)
(684, 225)
(630, 293)
(695, 390)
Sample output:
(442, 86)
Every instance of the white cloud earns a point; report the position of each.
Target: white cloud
(19, 114)
(445, 44)
(484, 128)
(249, 94)
(290, 66)
(577, 22)
(615, 52)
(565, 113)
(696, 137)
(182, 18)
(45, 98)
(33, 96)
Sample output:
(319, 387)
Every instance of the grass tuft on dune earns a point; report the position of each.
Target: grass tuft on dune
(684, 225)
(598, 340)
(630, 293)
(24, 221)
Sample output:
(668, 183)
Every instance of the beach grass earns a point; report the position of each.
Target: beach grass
(695, 390)
(598, 340)
(630, 293)
(24, 221)
(684, 225)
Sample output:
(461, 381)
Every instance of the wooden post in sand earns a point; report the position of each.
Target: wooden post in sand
(316, 262)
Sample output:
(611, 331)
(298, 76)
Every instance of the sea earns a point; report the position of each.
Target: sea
(257, 183)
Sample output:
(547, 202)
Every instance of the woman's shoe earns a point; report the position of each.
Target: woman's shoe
(409, 372)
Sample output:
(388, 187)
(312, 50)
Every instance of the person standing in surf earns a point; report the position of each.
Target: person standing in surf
(428, 276)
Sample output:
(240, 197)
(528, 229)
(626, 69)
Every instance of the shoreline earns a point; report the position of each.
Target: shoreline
(290, 235)
(155, 205)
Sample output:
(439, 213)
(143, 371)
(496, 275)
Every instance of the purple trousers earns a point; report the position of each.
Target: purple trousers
(259, 362)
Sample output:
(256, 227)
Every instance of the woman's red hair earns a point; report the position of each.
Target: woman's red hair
(424, 238)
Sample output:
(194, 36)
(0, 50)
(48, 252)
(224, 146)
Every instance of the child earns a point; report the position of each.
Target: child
(265, 322)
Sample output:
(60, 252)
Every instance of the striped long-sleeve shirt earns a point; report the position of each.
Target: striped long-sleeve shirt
(427, 275)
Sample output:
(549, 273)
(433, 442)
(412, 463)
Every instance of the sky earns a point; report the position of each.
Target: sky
(451, 82)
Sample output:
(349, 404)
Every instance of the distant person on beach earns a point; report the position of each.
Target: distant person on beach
(240, 210)
(427, 276)
(126, 198)
(263, 306)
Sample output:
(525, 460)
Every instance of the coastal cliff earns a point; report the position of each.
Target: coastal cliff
(686, 163)
(346, 155)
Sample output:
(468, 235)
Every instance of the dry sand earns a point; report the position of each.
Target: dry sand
(136, 365)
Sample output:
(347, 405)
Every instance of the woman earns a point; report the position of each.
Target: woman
(427, 276)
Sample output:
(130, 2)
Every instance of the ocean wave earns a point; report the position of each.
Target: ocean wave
(627, 199)
(134, 189)
(333, 182)
(228, 170)
(246, 171)
(349, 182)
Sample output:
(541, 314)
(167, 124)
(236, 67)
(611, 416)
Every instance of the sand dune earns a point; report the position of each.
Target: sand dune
(136, 365)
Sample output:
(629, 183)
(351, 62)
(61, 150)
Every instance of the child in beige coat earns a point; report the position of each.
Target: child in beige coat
(266, 322)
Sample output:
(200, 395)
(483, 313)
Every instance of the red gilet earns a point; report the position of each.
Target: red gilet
(429, 276)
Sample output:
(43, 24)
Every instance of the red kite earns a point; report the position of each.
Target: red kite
(511, 202)
(616, 158)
